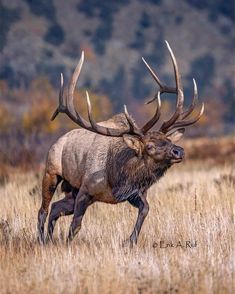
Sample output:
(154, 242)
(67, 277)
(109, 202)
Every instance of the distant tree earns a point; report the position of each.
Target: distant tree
(46, 8)
(37, 119)
(212, 121)
(145, 20)
(202, 69)
(7, 17)
(7, 73)
(102, 34)
(143, 113)
(139, 41)
(158, 54)
(179, 19)
(229, 100)
(227, 8)
(139, 88)
(45, 68)
(105, 11)
(91, 7)
(43, 8)
(7, 119)
(37, 103)
(101, 105)
(216, 8)
(156, 2)
(116, 88)
(55, 35)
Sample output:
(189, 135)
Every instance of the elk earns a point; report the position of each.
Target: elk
(114, 160)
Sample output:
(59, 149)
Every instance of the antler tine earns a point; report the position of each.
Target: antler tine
(185, 123)
(180, 95)
(192, 106)
(134, 128)
(89, 107)
(76, 74)
(69, 99)
(66, 105)
(90, 116)
(156, 116)
(176, 69)
(92, 125)
(163, 87)
(61, 107)
(128, 117)
(61, 89)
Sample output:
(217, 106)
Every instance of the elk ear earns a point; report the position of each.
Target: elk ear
(134, 143)
(176, 135)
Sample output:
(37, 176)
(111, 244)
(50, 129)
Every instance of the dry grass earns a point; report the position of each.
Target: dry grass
(193, 202)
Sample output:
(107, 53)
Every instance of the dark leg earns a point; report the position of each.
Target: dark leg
(82, 202)
(49, 185)
(60, 208)
(141, 203)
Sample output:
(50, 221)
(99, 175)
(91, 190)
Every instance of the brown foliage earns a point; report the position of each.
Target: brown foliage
(7, 120)
(216, 150)
(25, 127)
(31, 108)
(37, 118)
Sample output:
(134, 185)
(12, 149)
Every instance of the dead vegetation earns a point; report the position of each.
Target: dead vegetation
(214, 150)
(193, 202)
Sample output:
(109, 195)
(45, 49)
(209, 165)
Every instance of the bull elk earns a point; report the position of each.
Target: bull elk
(114, 160)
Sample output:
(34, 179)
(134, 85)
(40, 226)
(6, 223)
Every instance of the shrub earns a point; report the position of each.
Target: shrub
(55, 35)
(8, 17)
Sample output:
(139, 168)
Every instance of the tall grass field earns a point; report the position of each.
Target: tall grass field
(187, 243)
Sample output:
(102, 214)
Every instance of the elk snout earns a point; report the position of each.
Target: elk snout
(177, 153)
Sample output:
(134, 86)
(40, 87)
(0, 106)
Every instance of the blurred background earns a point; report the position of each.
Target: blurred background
(40, 39)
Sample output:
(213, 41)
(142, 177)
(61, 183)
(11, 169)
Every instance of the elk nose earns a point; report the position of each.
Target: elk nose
(177, 152)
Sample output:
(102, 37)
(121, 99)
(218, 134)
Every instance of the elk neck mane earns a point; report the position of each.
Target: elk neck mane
(130, 175)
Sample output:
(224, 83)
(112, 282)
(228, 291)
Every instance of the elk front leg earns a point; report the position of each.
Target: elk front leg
(141, 203)
(59, 208)
(82, 202)
(49, 184)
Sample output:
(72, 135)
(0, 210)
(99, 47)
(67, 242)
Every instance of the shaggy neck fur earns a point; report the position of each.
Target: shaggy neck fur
(129, 175)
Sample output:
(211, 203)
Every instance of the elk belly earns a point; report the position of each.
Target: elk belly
(97, 187)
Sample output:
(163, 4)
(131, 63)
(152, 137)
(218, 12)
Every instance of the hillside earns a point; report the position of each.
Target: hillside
(44, 38)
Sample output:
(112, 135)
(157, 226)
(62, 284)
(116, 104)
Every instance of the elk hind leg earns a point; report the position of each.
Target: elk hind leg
(60, 208)
(49, 184)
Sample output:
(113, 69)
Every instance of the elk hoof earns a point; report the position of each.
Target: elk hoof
(127, 243)
(49, 240)
(41, 240)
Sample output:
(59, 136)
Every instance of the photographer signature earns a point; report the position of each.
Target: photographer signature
(178, 244)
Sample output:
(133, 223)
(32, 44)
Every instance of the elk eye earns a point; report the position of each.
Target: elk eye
(150, 147)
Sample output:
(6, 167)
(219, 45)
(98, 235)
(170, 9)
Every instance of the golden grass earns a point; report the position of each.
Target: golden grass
(193, 202)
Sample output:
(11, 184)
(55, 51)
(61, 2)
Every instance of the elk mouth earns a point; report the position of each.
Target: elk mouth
(176, 160)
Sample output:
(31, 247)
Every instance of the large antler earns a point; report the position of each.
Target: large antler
(66, 106)
(182, 122)
(178, 118)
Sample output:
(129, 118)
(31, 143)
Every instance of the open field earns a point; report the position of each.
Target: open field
(194, 202)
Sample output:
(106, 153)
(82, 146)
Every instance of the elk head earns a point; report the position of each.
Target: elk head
(159, 145)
